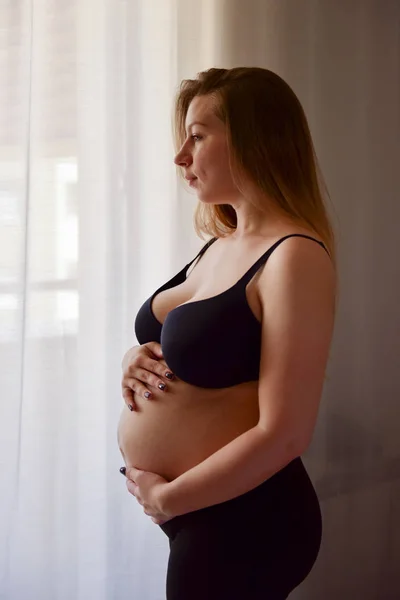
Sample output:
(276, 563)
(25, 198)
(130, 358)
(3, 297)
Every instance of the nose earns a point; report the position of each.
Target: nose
(183, 158)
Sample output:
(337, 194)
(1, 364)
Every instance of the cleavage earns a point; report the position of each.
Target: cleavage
(167, 300)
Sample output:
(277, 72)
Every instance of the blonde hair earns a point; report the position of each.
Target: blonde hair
(269, 144)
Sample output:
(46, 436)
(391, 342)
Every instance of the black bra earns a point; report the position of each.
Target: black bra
(210, 343)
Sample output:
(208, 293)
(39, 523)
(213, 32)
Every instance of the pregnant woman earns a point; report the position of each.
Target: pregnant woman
(222, 393)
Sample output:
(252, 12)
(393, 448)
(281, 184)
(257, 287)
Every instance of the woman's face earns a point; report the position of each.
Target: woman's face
(204, 154)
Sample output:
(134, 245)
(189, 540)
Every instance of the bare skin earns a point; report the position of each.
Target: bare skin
(180, 427)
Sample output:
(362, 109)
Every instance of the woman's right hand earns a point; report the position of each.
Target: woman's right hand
(142, 368)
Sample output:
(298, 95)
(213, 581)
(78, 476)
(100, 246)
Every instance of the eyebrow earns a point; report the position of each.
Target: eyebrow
(195, 123)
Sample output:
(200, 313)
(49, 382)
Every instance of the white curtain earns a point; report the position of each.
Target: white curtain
(92, 220)
(87, 187)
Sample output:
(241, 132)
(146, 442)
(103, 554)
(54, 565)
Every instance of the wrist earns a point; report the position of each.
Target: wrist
(165, 498)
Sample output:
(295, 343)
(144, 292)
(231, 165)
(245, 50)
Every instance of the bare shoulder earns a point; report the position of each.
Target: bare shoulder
(298, 263)
(296, 290)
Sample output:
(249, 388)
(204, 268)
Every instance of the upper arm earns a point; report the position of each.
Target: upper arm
(296, 291)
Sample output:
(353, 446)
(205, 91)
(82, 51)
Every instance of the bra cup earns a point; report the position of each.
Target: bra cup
(214, 342)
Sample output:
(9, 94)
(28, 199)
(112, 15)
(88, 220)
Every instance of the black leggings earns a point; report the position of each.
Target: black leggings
(258, 546)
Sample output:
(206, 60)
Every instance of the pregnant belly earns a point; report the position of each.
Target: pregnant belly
(178, 429)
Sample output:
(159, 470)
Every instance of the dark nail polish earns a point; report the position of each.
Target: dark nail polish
(123, 470)
(168, 375)
(161, 386)
(147, 394)
(130, 407)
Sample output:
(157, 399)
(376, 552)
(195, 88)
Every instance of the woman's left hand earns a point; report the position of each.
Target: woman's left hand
(148, 489)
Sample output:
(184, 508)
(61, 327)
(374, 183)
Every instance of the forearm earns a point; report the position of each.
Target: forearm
(234, 469)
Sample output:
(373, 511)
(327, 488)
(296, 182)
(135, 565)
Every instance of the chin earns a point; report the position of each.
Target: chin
(211, 201)
(208, 199)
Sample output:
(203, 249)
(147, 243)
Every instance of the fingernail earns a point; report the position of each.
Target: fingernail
(169, 375)
(147, 394)
(123, 470)
(161, 386)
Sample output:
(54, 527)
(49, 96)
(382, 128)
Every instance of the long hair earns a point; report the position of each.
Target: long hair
(269, 144)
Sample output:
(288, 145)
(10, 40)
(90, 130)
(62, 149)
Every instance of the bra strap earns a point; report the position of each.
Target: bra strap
(204, 248)
(253, 269)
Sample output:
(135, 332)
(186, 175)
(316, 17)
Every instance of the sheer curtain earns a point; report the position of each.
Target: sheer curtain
(92, 220)
(81, 204)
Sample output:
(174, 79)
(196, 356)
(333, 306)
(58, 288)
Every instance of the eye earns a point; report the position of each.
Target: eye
(196, 136)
